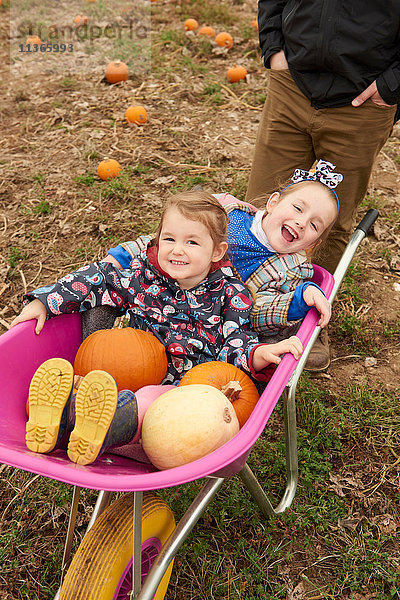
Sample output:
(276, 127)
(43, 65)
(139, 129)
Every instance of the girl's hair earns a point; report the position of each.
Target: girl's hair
(197, 205)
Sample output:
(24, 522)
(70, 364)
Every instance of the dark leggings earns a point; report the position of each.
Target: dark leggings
(100, 317)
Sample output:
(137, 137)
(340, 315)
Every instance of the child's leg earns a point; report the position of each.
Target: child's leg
(100, 317)
(49, 393)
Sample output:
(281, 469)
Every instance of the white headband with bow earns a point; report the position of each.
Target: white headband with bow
(322, 173)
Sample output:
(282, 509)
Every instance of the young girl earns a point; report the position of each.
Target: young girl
(180, 290)
(269, 247)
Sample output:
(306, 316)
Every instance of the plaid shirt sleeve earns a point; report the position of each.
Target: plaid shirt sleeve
(273, 285)
(138, 247)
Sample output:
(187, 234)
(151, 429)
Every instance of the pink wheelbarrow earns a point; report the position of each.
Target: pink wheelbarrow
(130, 544)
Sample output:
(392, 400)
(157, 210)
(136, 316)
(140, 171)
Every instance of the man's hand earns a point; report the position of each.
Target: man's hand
(278, 61)
(312, 296)
(370, 92)
(33, 310)
(271, 353)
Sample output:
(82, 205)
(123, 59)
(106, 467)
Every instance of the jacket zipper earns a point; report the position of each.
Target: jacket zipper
(326, 25)
(290, 13)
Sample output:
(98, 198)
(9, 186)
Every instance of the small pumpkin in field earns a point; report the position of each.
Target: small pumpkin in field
(206, 30)
(224, 39)
(185, 424)
(133, 357)
(80, 20)
(233, 382)
(254, 23)
(236, 73)
(108, 169)
(191, 25)
(116, 71)
(136, 114)
(33, 39)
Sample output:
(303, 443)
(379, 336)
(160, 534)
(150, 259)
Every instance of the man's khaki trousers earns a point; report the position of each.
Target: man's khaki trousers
(292, 135)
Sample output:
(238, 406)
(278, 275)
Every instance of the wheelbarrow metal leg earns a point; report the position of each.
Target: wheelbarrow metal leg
(69, 538)
(179, 535)
(250, 480)
(256, 491)
(137, 544)
(103, 500)
(292, 473)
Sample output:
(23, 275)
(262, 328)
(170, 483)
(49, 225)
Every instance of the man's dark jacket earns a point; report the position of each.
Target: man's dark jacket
(335, 48)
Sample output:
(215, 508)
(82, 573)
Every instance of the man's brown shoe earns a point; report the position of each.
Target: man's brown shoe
(319, 357)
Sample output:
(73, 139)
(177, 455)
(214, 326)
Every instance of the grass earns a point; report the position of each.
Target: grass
(15, 256)
(333, 538)
(209, 12)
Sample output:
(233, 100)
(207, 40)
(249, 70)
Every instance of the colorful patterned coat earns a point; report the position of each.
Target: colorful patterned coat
(208, 322)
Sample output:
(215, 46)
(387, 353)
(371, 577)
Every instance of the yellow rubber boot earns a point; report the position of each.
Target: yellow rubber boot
(95, 405)
(49, 393)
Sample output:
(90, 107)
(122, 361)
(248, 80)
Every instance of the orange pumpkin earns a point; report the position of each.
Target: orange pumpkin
(254, 23)
(116, 71)
(33, 39)
(80, 20)
(108, 169)
(208, 31)
(224, 39)
(236, 73)
(136, 114)
(235, 384)
(191, 25)
(133, 357)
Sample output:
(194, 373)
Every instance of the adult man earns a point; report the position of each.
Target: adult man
(333, 89)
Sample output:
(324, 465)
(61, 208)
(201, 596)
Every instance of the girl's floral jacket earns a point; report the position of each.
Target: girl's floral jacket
(208, 322)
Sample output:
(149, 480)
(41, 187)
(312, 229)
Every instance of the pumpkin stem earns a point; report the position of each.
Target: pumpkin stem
(227, 415)
(232, 390)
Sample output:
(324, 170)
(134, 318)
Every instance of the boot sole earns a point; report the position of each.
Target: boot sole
(95, 405)
(49, 391)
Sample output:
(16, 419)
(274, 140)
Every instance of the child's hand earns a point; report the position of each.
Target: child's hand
(270, 353)
(314, 297)
(33, 310)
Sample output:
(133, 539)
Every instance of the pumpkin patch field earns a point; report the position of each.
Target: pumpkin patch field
(107, 106)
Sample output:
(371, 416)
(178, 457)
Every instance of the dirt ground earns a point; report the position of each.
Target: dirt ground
(59, 118)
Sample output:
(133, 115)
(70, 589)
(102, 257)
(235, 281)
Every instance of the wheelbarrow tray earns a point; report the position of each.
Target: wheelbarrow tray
(22, 351)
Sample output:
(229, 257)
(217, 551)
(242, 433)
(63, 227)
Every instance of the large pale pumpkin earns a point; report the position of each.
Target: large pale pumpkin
(133, 357)
(233, 382)
(185, 424)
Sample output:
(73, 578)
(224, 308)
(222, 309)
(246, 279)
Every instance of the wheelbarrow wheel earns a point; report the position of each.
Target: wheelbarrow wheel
(102, 566)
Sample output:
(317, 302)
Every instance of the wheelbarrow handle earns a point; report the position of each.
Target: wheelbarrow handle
(368, 220)
(359, 234)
